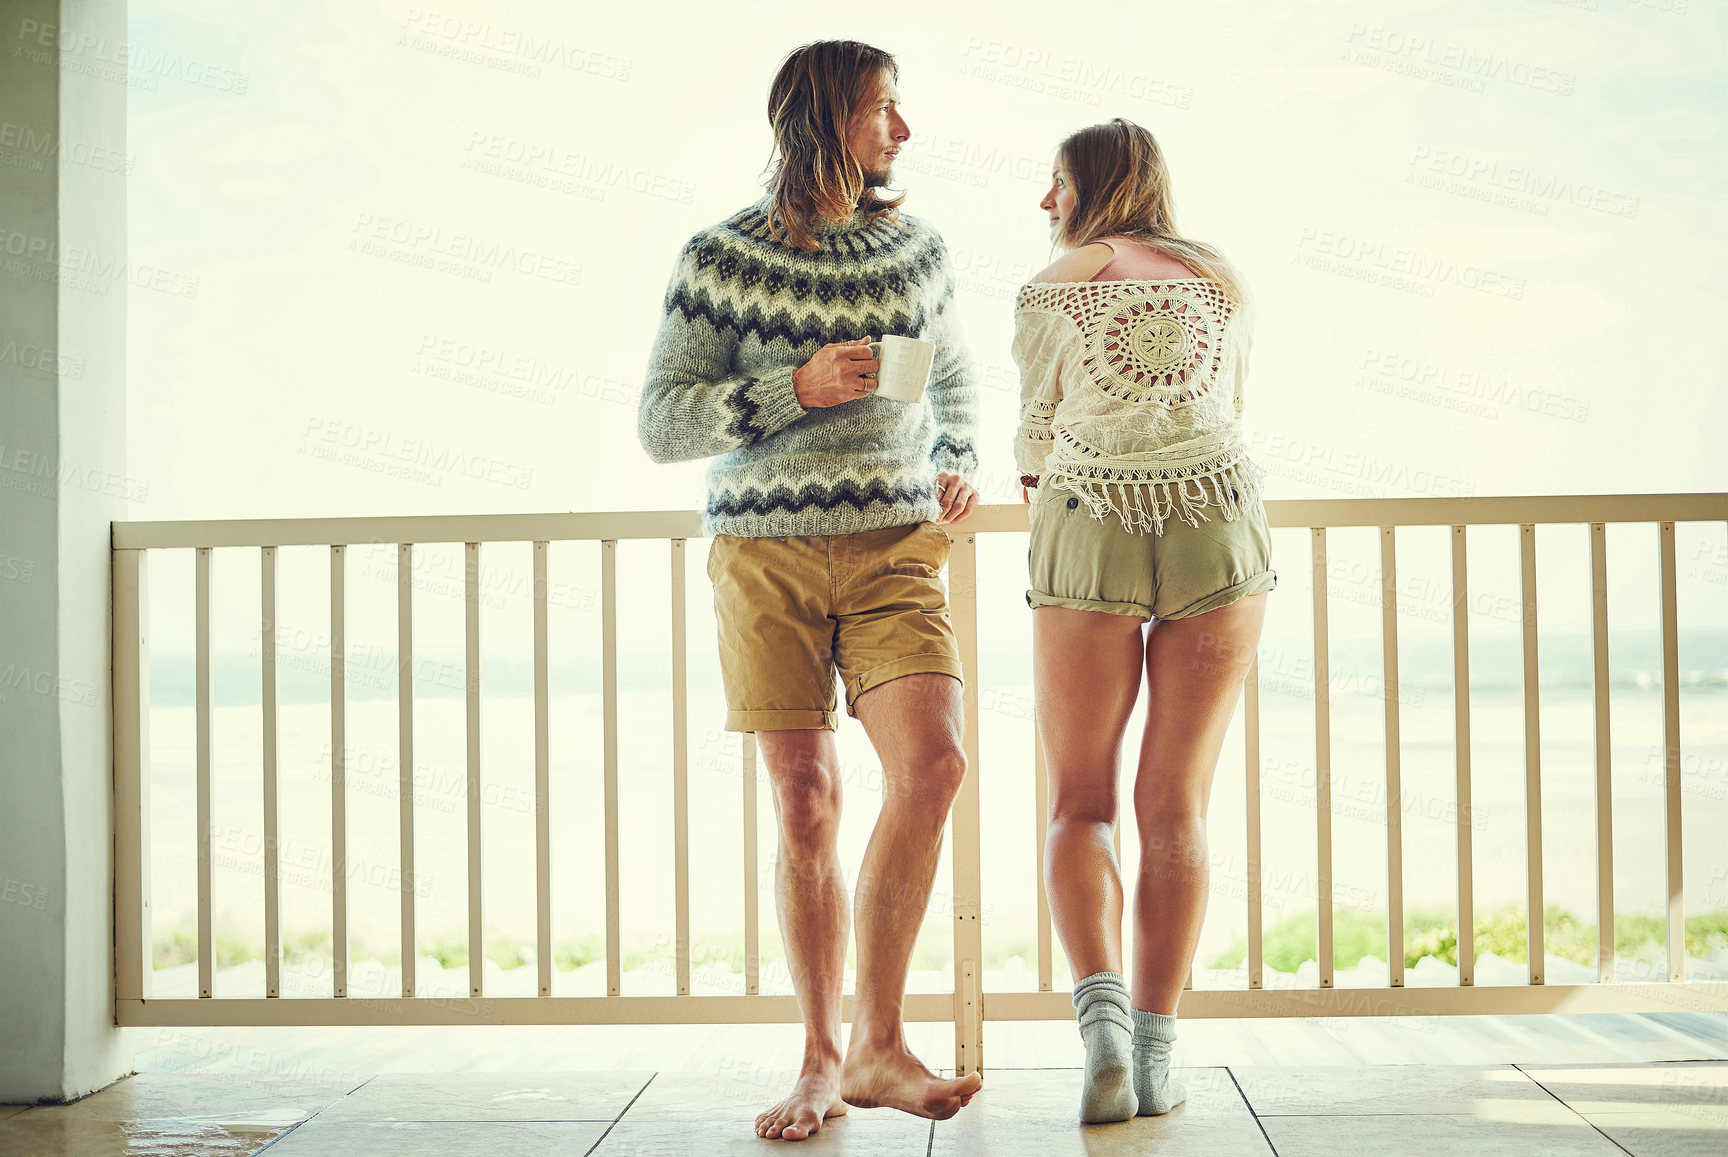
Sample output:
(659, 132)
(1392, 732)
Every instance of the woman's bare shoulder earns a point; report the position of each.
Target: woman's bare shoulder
(1078, 265)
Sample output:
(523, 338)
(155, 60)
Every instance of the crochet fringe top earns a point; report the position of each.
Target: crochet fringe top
(1131, 397)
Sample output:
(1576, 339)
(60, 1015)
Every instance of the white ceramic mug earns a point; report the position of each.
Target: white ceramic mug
(904, 366)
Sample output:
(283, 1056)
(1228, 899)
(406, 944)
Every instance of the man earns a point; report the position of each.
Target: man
(826, 504)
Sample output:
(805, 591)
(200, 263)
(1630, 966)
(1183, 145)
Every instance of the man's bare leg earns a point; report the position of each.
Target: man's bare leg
(915, 723)
(810, 897)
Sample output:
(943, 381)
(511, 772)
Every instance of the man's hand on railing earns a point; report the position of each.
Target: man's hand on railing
(958, 497)
(835, 374)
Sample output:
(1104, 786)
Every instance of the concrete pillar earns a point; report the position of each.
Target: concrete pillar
(63, 282)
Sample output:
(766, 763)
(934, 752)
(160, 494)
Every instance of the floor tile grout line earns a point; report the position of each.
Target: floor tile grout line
(1573, 1111)
(1258, 1123)
(313, 1116)
(601, 1139)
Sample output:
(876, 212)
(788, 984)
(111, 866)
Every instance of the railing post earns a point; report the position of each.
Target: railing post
(203, 709)
(968, 873)
(1322, 760)
(542, 780)
(1604, 795)
(132, 938)
(1673, 875)
(272, 790)
(1536, 927)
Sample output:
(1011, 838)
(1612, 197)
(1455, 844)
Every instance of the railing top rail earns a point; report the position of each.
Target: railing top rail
(665, 524)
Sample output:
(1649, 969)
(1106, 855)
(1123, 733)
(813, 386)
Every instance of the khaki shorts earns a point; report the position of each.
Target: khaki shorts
(1077, 561)
(792, 610)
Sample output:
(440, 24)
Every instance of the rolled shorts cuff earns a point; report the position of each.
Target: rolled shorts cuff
(1036, 599)
(931, 662)
(1260, 583)
(794, 720)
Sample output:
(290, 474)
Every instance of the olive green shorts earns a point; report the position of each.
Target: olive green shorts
(1080, 562)
(791, 611)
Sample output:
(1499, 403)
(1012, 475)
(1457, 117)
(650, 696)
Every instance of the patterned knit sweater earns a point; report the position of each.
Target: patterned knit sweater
(742, 312)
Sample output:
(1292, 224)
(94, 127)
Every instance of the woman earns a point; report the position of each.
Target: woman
(1132, 350)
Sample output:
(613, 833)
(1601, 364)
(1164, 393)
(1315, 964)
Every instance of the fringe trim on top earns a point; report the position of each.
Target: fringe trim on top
(1145, 506)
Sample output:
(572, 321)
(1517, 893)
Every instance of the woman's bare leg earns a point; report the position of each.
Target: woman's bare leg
(1086, 674)
(1194, 670)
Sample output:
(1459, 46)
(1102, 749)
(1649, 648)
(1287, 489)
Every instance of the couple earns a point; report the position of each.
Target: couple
(827, 507)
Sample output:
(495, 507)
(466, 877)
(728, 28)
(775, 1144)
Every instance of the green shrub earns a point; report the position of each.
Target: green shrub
(1291, 941)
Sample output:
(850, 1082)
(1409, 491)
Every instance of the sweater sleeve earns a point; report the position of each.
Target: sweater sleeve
(693, 405)
(953, 388)
(1040, 346)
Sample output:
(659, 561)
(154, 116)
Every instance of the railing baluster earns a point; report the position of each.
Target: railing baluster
(609, 714)
(405, 752)
(1394, 756)
(339, 771)
(201, 594)
(968, 870)
(1322, 759)
(1673, 874)
(752, 886)
(1251, 761)
(1604, 755)
(1041, 834)
(1536, 941)
(471, 684)
(680, 774)
(135, 955)
(1461, 754)
(542, 780)
(272, 876)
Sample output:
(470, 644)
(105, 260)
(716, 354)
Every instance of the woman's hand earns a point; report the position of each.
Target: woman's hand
(957, 496)
(835, 374)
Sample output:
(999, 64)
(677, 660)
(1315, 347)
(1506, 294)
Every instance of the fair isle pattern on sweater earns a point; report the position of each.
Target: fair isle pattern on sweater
(742, 312)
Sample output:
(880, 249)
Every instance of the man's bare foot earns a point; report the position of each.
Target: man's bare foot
(814, 1098)
(893, 1078)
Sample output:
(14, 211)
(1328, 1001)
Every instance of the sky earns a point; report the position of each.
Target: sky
(409, 260)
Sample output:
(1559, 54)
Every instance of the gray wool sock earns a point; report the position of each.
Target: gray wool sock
(1154, 1087)
(1101, 1007)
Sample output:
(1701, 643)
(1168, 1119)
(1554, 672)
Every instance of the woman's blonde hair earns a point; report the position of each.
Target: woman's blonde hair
(813, 173)
(1122, 189)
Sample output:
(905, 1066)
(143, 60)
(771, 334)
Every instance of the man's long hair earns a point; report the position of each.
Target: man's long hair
(813, 173)
(1122, 189)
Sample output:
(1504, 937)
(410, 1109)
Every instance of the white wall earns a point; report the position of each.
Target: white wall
(62, 454)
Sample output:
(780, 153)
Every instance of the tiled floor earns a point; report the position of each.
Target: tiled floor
(1649, 1110)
